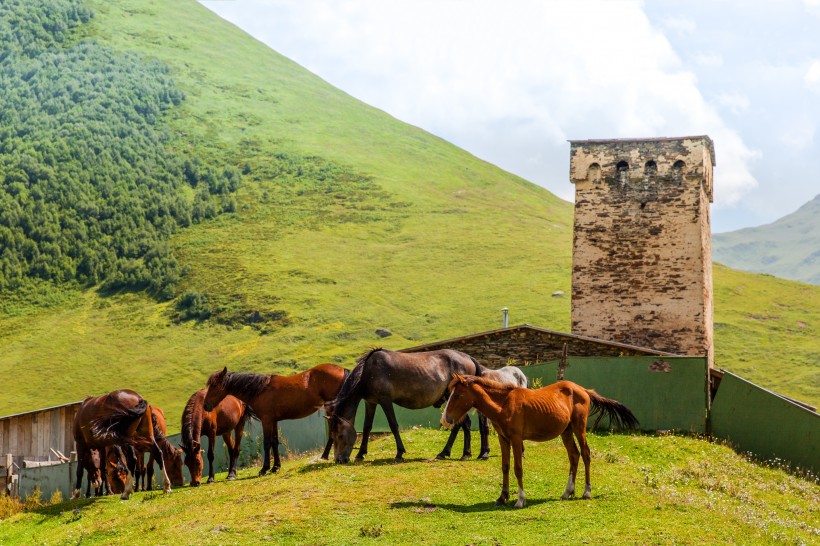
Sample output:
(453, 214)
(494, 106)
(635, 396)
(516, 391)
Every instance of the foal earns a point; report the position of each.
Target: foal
(519, 414)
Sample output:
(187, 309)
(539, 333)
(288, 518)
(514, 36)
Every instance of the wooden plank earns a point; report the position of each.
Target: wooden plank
(14, 429)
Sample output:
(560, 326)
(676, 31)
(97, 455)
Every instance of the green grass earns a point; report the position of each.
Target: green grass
(646, 490)
(416, 236)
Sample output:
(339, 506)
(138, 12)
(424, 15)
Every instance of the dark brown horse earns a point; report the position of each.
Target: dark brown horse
(275, 398)
(122, 418)
(229, 415)
(411, 380)
(519, 414)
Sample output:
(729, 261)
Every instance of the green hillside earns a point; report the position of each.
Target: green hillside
(345, 220)
(788, 248)
(645, 490)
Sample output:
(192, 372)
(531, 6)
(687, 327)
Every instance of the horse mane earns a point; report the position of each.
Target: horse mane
(192, 420)
(352, 378)
(245, 384)
(490, 383)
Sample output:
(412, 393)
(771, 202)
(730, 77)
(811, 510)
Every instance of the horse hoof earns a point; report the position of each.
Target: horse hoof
(263, 471)
(228, 477)
(483, 456)
(359, 458)
(399, 459)
(466, 456)
(520, 504)
(500, 501)
(210, 480)
(76, 494)
(441, 456)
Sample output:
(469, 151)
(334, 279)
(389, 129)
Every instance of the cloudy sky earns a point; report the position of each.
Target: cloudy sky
(512, 81)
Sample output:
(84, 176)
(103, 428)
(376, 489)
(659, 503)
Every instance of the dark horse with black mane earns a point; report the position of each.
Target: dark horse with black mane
(121, 418)
(411, 380)
(275, 398)
(229, 415)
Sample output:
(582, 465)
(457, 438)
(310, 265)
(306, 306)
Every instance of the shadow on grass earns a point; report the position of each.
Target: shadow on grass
(491, 506)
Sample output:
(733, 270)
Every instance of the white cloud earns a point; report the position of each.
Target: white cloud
(709, 60)
(737, 103)
(681, 25)
(510, 82)
(812, 77)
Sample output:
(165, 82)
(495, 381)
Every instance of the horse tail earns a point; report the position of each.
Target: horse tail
(113, 426)
(192, 421)
(618, 414)
(479, 369)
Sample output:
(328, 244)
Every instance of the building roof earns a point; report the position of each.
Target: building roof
(653, 139)
(40, 410)
(546, 331)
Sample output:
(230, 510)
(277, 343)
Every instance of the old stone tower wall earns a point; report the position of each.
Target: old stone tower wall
(642, 266)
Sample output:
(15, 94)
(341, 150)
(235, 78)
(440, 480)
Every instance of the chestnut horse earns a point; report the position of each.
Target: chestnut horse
(275, 398)
(120, 417)
(229, 415)
(172, 457)
(116, 471)
(411, 380)
(509, 375)
(519, 414)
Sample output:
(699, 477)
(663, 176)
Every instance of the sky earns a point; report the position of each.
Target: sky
(512, 81)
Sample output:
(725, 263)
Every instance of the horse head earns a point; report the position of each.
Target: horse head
(115, 470)
(194, 462)
(459, 403)
(173, 465)
(94, 467)
(216, 389)
(343, 434)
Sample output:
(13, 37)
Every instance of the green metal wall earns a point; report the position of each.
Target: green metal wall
(761, 422)
(664, 393)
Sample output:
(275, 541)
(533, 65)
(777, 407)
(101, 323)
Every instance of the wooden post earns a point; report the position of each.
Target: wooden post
(562, 363)
(9, 479)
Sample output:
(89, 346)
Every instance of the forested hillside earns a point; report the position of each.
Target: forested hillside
(91, 186)
(209, 203)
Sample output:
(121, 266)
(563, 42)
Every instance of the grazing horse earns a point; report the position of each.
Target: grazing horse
(171, 456)
(275, 398)
(94, 468)
(508, 375)
(411, 380)
(517, 414)
(116, 471)
(120, 417)
(229, 415)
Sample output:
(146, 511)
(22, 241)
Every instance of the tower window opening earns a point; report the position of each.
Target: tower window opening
(677, 172)
(623, 172)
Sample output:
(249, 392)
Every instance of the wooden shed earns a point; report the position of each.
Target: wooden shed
(31, 436)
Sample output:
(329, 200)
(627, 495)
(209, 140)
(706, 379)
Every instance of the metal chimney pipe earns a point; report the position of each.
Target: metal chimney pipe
(506, 312)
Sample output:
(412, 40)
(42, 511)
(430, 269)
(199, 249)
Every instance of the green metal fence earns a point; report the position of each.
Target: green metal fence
(761, 422)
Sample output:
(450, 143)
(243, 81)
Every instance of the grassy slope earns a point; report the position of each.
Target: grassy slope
(646, 490)
(472, 240)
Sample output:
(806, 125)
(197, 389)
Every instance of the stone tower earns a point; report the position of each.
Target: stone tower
(642, 249)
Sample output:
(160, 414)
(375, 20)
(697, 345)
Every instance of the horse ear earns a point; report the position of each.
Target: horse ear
(224, 370)
(459, 377)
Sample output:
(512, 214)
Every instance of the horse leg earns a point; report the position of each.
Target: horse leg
(211, 470)
(573, 454)
(266, 439)
(237, 448)
(484, 433)
(369, 414)
(231, 457)
(149, 473)
(504, 445)
(157, 455)
(581, 434)
(466, 426)
(387, 407)
(518, 450)
(82, 451)
(448, 447)
(275, 446)
(131, 475)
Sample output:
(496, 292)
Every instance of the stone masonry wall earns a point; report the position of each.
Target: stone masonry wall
(526, 345)
(642, 272)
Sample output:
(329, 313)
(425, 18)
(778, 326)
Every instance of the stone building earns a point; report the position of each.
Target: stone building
(642, 266)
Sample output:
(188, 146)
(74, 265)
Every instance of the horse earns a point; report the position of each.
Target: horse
(121, 417)
(508, 375)
(519, 414)
(94, 468)
(116, 470)
(411, 380)
(275, 398)
(229, 415)
(171, 456)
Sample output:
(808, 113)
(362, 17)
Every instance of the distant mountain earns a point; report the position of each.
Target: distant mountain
(788, 248)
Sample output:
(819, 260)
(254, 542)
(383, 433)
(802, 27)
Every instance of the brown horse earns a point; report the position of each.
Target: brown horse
(120, 417)
(229, 415)
(411, 380)
(275, 398)
(519, 414)
(171, 456)
(116, 471)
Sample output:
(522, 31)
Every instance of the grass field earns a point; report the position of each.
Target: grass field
(410, 234)
(646, 490)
